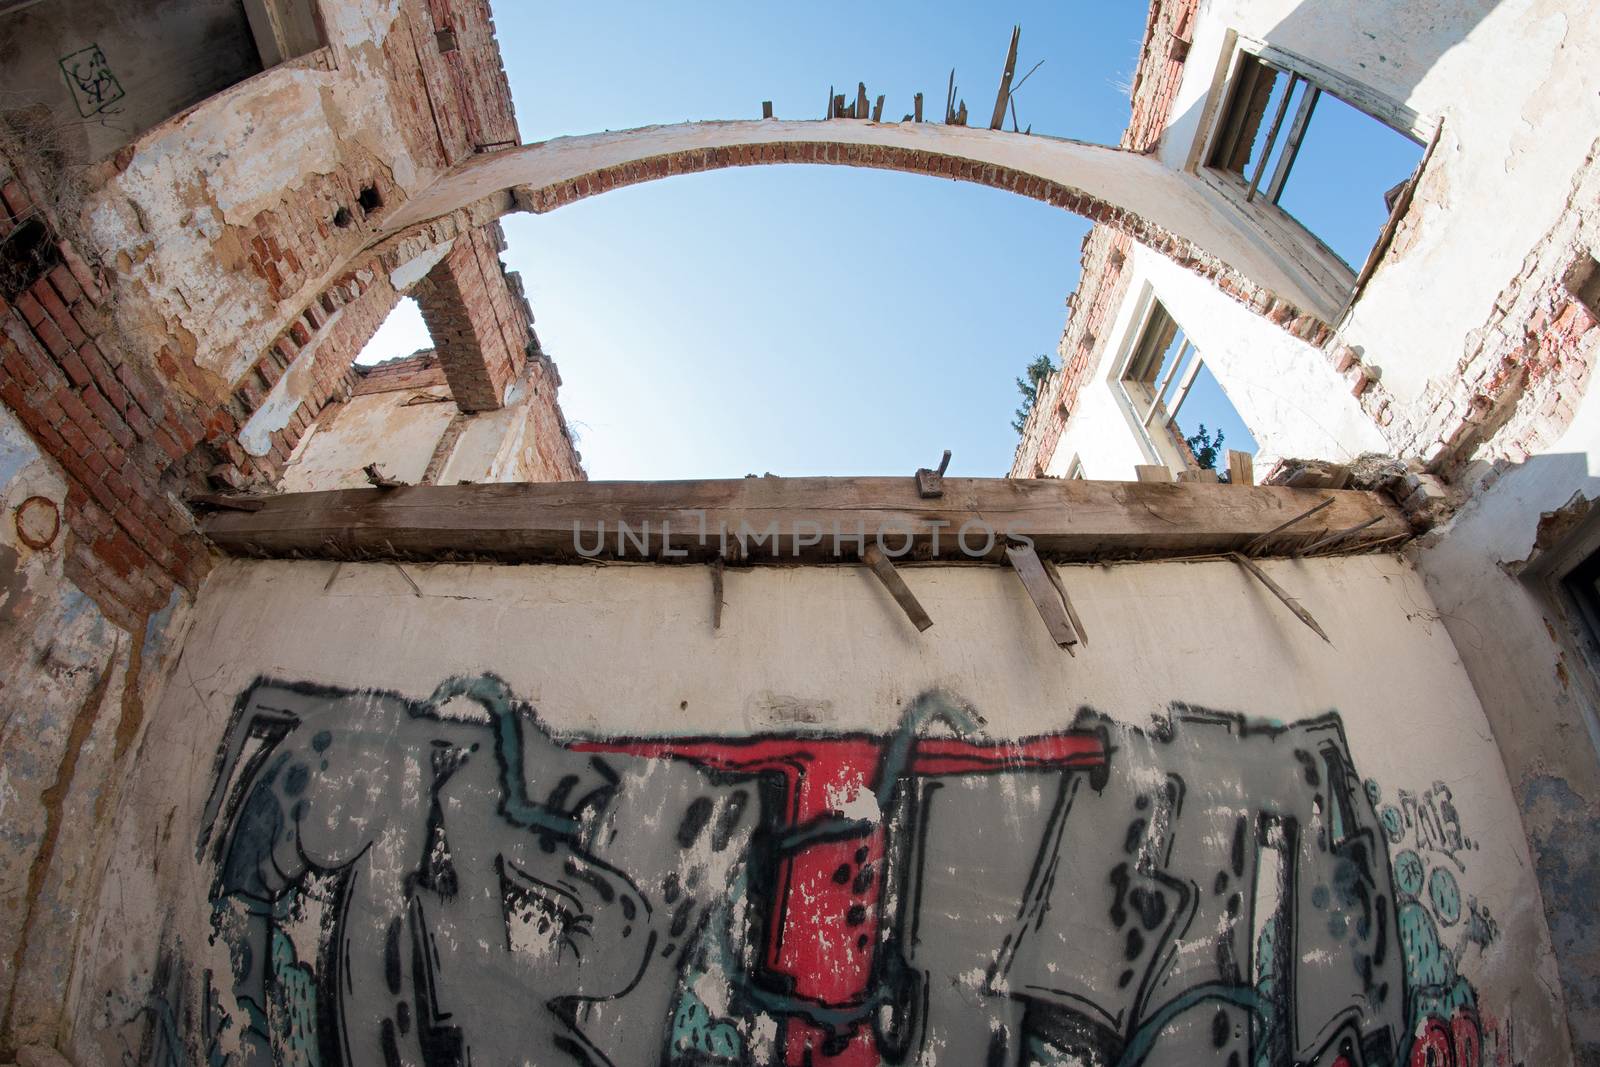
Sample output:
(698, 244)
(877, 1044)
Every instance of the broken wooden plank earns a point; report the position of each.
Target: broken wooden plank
(1152, 472)
(1241, 468)
(861, 101)
(1066, 601)
(376, 476)
(1006, 75)
(1337, 536)
(874, 558)
(1282, 594)
(1198, 474)
(1046, 594)
(877, 109)
(1254, 546)
(916, 106)
(787, 520)
(716, 593)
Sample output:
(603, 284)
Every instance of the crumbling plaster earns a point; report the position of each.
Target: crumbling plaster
(1521, 653)
(1511, 82)
(174, 218)
(73, 687)
(629, 650)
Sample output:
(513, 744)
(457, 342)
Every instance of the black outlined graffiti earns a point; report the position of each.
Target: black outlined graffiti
(443, 881)
(90, 80)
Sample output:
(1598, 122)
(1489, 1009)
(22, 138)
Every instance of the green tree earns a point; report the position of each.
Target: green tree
(1207, 448)
(1040, 369)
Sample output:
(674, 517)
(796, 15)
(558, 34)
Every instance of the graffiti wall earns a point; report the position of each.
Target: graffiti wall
(548, 853)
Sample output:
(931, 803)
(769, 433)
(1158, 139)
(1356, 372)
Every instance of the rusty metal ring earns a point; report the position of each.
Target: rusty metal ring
(33, 503)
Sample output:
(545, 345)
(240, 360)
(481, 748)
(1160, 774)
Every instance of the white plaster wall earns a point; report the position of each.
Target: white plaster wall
(1284, 389)
(374, 428)
(1513, 83)
(630, 649)
(1521, 655)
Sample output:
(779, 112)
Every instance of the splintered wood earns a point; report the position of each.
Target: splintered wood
(879, 563)
(1047, 593)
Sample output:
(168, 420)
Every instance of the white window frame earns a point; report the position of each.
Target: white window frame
(1141, 410)
(1337, 281)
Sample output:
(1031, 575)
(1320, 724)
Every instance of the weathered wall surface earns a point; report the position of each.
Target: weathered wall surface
(73, 688)
(813, 836)
(1525, 656)
(402, 417)
(1511, 145)
(91, 75)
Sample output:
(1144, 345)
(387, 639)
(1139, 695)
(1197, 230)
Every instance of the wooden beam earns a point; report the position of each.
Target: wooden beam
(1047, 595)
(1152, 472)
(880, 565)
(785, 520)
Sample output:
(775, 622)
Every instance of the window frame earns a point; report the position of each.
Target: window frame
(1255, 196)
(1137, 350)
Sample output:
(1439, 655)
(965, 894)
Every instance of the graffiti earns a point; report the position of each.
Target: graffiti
(1436, 926)
(447, 881)
(89, 78)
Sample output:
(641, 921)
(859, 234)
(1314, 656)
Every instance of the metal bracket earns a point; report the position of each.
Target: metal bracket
(930, 483)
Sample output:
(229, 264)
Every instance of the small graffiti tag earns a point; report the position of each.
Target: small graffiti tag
(89, 76)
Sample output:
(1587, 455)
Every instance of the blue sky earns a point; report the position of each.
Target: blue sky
(799, 320)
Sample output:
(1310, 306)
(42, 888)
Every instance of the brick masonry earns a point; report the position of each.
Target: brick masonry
(1103, 281)
(478, 318)
(139, 418)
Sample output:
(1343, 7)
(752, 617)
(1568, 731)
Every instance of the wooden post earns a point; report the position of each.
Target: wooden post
(1241, 468)
(1005, 81)
(766, 109)
(917, 108)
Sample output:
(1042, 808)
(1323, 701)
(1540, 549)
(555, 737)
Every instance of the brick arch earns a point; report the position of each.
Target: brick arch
(1170, 212)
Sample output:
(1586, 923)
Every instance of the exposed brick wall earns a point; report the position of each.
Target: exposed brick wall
(464, 37)
(110, 425)
(420, 370)
(478, 319)
(1103, 280)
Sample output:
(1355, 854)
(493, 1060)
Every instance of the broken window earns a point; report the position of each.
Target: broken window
(1180, 407)
(1290, 142)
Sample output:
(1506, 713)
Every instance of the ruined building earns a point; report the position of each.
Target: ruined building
(346, 723)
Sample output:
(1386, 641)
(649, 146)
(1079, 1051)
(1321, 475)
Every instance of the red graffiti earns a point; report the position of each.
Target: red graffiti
(823, 934)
